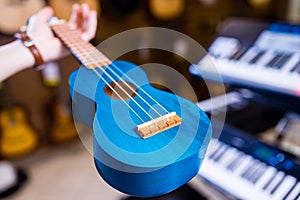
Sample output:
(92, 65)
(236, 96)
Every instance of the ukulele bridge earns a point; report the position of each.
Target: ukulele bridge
(158, 125)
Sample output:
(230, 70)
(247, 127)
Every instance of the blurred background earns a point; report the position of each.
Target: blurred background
(43, 140)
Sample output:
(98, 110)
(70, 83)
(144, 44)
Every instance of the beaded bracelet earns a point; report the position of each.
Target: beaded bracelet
(27, 42)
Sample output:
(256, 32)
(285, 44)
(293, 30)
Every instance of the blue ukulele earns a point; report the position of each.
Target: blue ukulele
(147, 142)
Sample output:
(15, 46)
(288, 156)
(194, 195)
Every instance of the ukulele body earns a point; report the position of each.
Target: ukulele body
(133, 165)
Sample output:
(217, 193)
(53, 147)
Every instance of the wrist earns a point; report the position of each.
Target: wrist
(14, 57)
(30, 45)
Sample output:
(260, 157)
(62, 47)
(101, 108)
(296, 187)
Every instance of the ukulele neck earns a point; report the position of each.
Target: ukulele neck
(85, 52)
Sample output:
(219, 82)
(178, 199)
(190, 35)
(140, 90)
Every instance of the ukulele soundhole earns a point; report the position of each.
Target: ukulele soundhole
(120, 90)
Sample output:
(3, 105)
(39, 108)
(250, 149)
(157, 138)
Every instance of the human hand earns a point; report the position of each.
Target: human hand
(50, 47)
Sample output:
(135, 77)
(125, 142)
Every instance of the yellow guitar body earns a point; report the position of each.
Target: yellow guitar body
(62, 127)
(17, 136)
(14, 13)
(63, 8)
(166, 9)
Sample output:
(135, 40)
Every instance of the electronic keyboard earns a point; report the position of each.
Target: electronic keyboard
(246, 168)
(239, 165)
(265, 56)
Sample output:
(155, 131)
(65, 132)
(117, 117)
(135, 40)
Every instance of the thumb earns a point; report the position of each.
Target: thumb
(38, 23)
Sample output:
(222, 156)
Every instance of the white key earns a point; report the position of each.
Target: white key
(229, 155)
(214, 148)
(270, 171)
(265, 59)
(249, 55)
(284, 188)
(291, 63)
(220, 151)
(294, 192)
(278, 177)
(243, 165)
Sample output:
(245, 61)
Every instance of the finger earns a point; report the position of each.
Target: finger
(74, 19)
(85, 11)
(92, 27)
(85, 15)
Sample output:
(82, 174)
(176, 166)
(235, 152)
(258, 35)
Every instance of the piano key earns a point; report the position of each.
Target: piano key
(298, 197)
(265, 58)
(266, 177)
(231, 166)
(228, 156)
(256, 168)
(290, 63)
(249, 55)
(272, 182)
(290, 190)
(259, 173)
(296, 68)
(213, 149)
(234, 162)
(283, 60)
(294, 193)
(216, 148)
(243, 165)
(257, 57)
(273, 61)
(286, 185)
(219, 151)
(276, 185)
(248, 170)
(221, 154)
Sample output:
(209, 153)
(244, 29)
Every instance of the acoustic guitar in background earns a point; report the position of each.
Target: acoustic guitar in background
(63, 8)
(17, 136)
(14, 13)
(259, 3)
(61, 127)
(166, 9)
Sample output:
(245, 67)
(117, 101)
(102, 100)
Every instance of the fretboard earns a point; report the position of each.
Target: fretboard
(85, 52)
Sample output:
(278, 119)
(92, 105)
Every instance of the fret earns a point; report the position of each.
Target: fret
(85, 52)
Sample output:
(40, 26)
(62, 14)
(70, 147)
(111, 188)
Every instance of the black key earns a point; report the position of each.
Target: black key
(274, 60)
(248, 169)
(251, 170)
(259, 173)
(257, 57)
(237, 164)
(296, 68)
(215, 151)
(218, 157)
(282, 61)
(271, 179)
(277, 185)
(219, 150)
(232, 165)
(250, 175)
